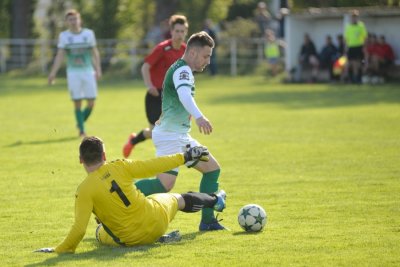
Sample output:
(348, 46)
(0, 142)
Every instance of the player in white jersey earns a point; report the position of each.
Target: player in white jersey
(83, 66)
(171, 133)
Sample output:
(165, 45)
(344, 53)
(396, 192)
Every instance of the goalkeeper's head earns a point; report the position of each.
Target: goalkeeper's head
(92, 152)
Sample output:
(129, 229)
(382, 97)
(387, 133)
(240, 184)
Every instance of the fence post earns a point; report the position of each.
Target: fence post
(260, 50)
(22, 43)
(233, 50)
(43, 55)
(133, 52)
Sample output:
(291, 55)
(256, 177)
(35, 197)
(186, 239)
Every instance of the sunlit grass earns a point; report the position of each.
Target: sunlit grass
(323, 161)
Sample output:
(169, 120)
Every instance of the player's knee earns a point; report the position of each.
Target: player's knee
(210, 166)
(90, 103)
(168, 182)
(168, 186)
(103, 237)
(147, 133)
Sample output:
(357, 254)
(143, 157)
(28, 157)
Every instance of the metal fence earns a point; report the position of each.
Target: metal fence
(234, 56)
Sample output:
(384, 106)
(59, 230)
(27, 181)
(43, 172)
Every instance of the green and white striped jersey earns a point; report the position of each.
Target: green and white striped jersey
(174, 116)
(78, 47)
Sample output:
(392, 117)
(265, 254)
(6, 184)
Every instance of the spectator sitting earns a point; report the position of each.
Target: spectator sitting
(379, 56)
(328, 55)
(387, 52)
(341, 45)
(309, 57)
(371, 56)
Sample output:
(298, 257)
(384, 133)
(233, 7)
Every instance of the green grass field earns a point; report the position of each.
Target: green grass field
(323, 161)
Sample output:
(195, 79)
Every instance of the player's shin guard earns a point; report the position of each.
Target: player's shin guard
(209, 184)
(194, 202)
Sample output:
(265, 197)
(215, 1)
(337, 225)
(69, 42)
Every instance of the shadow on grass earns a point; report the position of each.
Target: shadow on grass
(106, 253)
(247, 233)
(41, 142)
(302, 97)
(26, 86)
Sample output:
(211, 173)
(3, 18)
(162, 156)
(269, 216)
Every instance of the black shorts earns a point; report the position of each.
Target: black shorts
(355, 53)
(153, 107)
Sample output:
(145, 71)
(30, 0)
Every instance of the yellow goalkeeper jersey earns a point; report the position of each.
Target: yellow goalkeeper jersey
(124, 211)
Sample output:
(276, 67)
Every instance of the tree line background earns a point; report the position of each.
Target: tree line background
(134, 18)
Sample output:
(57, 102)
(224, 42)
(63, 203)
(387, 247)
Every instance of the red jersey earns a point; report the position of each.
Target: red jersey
(387, 51)
(373, 49)
(160, 59)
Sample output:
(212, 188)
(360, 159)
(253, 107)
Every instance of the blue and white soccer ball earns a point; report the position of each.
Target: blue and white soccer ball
(252, 218)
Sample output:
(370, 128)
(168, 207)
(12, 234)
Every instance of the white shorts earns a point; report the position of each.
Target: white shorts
(82, 85)
(168, 143)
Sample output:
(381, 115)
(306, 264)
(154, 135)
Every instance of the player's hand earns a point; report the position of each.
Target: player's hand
(45, 250)
(196, 153)
(153, 91)
(98, 75)
(204, 124)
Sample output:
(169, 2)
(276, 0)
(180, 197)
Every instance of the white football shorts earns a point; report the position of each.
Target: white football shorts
(82, 85)
(168, 143)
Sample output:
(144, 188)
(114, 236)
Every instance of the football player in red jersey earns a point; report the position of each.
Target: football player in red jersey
(154, 68)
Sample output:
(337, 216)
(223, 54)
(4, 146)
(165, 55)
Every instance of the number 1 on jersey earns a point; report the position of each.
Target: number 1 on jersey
(115, 188)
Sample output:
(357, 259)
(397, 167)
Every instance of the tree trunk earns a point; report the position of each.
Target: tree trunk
(21, 28)
(164, 9)
(21, 11)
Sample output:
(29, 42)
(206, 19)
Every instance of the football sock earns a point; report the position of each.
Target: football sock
(209, 184)
(196, 201)
(86, 113)
(139, 138)
(79, 120)
(150, 186)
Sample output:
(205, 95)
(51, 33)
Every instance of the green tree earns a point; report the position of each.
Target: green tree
(101, 17)
(5, 18)
(54, 21)
(136, 18)
(198, 10)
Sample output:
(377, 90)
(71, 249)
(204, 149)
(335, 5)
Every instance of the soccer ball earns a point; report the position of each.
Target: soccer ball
(252, 218)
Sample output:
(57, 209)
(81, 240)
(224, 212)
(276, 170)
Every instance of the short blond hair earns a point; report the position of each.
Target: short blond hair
(72, 12)
(178, 19)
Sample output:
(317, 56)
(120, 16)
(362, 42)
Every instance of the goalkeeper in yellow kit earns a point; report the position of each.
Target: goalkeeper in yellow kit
(126, 217)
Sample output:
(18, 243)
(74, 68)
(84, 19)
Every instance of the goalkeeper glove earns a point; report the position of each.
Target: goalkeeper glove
(195, 154)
